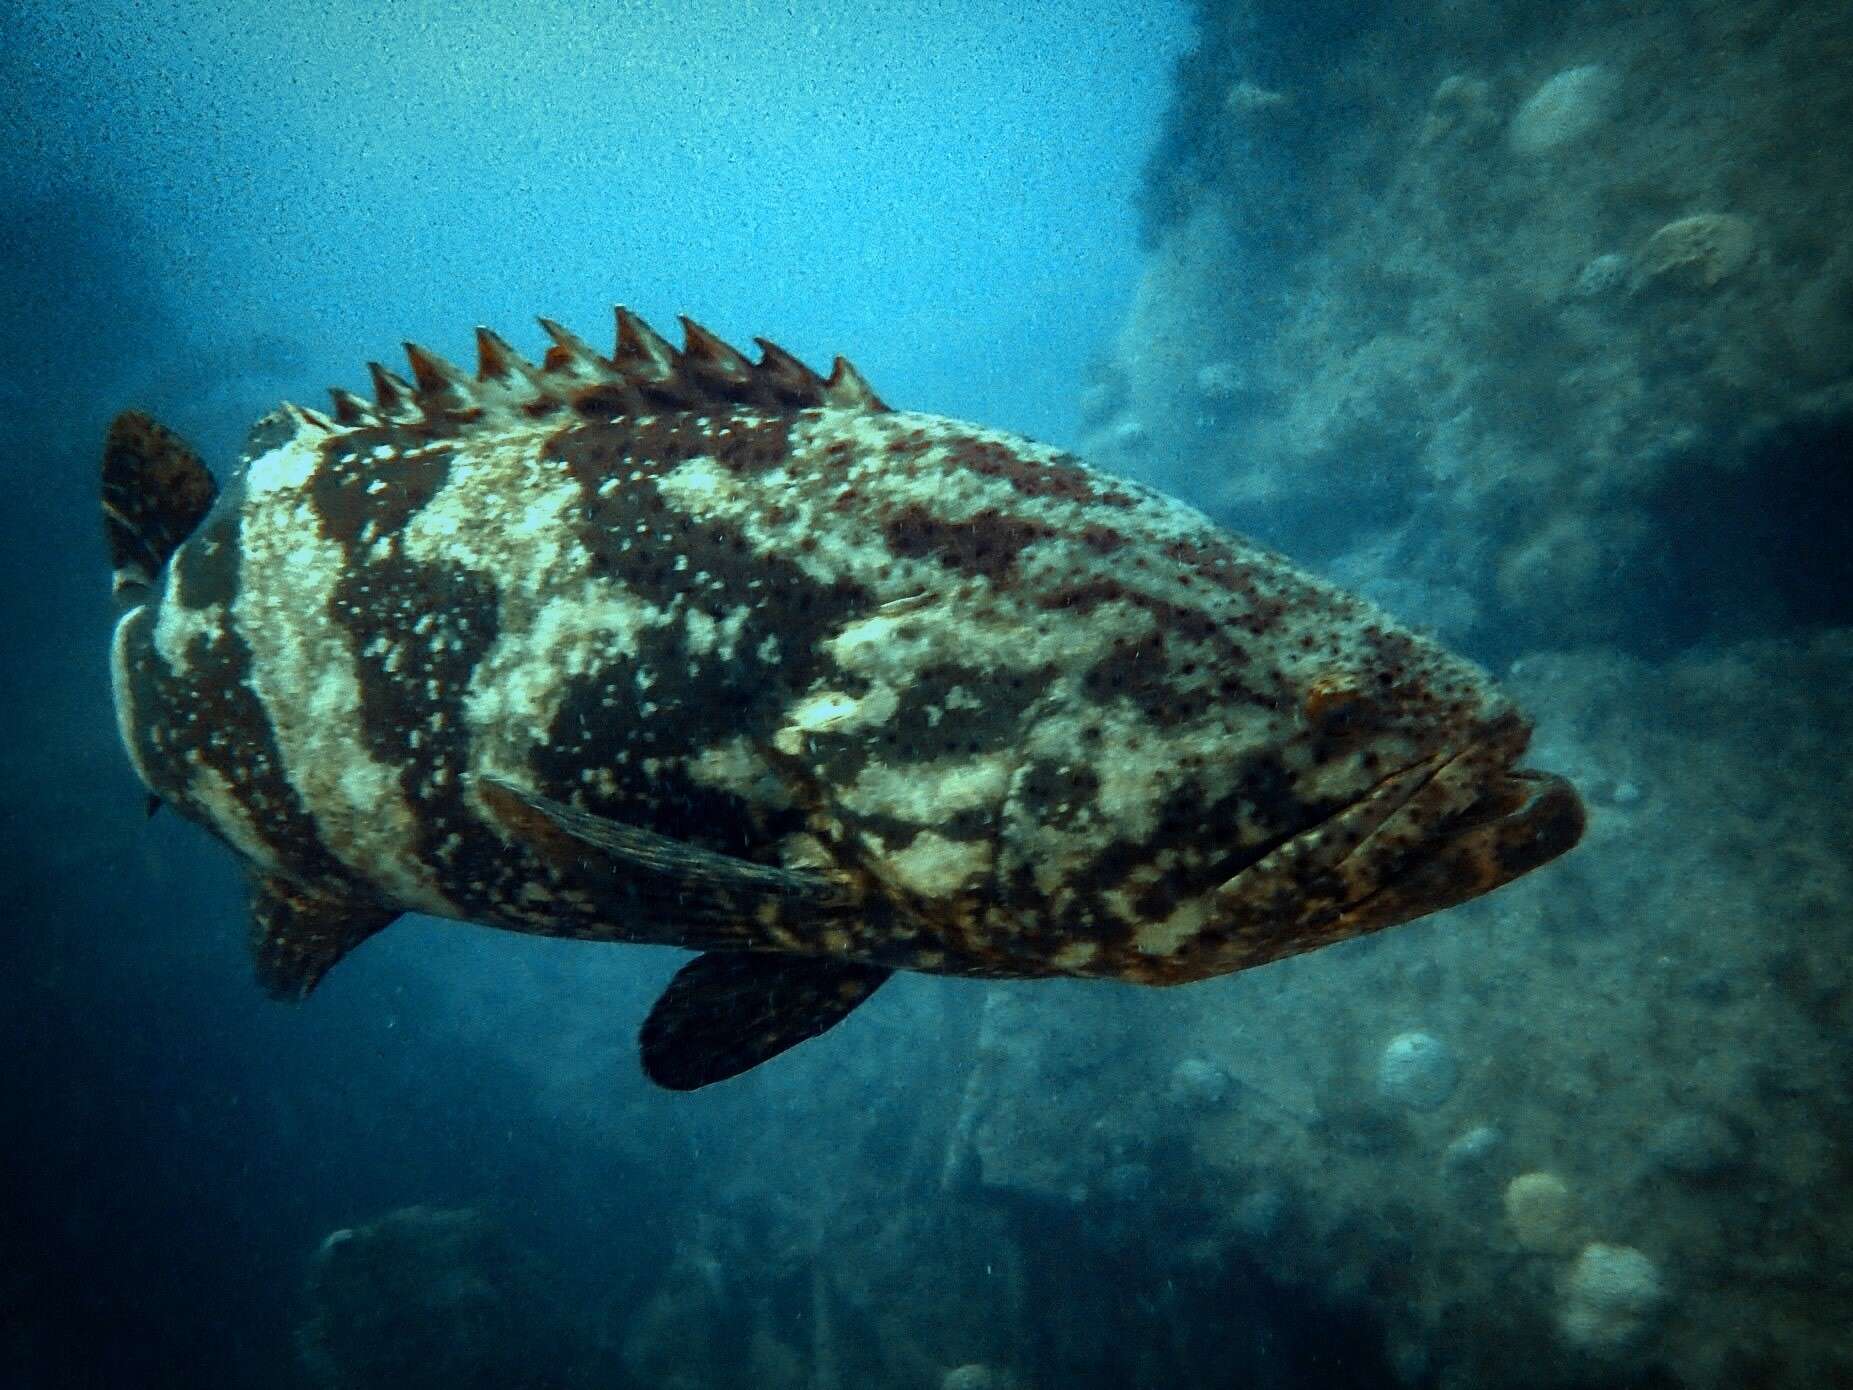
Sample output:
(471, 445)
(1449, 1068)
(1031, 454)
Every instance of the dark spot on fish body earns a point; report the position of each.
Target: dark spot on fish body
(359, 496)
(618, 446)
(1083, 597)
(418, 634)
(1059, 795)
(950, 711)
(1253, 611)
(910, 444)
(1102, 540)
(209, 717)
(1266, 790)
(1138, 670)
(1066, 482)
(1035, 925)
(665, 699)
(1062, 478)
(1160, 898)
(986, 544)
(205, 569)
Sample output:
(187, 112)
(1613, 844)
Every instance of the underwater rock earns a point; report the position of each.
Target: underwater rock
(1417, 1070)
(1820, 322)
(1602, 276)
(669, 1340)
(1570, 572)
(1245, 98)
(1541, 1213)
(1221, 381)
(977, 1376)
(1625, 793)
(1198, 1084)
(1128, 1182)
(1458, 105)
(1696, 1146)
(1262, 1212)
(1472, 1150)
(1697, 252)
(1611, 1295)
(1129, 433)
(1564, 110)
(429, 1297)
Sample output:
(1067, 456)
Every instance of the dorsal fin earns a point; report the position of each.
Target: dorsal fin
(439, 382)
(642, 354)
(787, 374)
(848, 390)
(496, 360)
(703, 350)
(392, 394)
(644, 373)
(570, 353)
(155, 492)
(351, 409)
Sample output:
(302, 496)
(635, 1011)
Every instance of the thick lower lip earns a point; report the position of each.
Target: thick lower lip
(1444, 810)
(1476, 824)
(1526, 819)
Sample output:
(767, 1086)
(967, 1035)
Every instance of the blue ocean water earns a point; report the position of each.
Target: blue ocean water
(1529, 332)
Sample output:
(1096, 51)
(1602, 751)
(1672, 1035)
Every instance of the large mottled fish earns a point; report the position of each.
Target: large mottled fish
(674, 646)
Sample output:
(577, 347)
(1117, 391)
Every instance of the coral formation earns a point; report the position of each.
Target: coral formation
(976, 1376)
(430, 1297)
(1417, 1070)
(1541, 1213)
(1610, 1297)
(1566, 109)
(1698, 251)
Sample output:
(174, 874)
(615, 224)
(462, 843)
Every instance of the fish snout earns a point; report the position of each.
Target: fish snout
(1441, 831)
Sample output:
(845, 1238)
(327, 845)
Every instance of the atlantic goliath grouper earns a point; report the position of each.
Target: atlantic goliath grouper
(678, 647)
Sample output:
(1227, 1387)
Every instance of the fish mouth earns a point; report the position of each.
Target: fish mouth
(1441, 831)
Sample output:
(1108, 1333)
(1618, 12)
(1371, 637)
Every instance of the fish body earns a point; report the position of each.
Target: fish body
(672, 646)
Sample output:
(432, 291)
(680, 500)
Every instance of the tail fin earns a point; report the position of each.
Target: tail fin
(155, 490)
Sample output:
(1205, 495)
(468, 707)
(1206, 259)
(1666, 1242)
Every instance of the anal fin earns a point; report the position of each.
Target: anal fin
(725, 1012)
(297, 936)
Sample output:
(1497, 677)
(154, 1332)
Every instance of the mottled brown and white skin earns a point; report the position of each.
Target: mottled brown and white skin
(677, 647)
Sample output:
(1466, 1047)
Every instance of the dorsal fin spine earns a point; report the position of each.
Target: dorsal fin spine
(702, 347)
(846, 389)
(392, 394)
(436, 378)
(351, 409)
(570, 352)
(642, 353)
(644, 372)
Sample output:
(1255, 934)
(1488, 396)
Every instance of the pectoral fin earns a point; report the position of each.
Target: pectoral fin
(297, 936)
(727, 1011)
(690, 883)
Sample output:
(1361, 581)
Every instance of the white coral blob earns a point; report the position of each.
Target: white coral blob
(1564, 109)
(1610, 1296)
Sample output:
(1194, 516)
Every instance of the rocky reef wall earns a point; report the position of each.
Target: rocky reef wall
(1517, 319)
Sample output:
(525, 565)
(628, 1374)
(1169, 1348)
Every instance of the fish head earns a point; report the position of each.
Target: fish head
(1264, 773)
